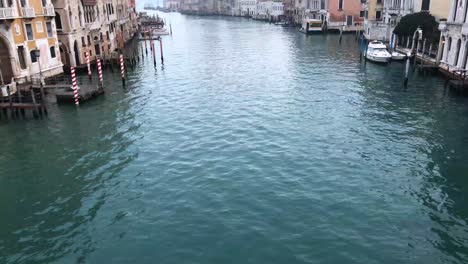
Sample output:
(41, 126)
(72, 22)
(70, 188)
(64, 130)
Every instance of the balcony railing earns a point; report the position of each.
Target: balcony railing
(8, 13)
(28, 12)
(49, 10)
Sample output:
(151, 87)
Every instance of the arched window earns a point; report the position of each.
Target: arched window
(52, 52)
(455, 10)
(58, 21)
(32, 53)
(449, 47)
(457, 53)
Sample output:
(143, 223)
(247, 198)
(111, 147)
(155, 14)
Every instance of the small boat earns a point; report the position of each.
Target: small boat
(311, 26)
(377, 52)
(398, 56)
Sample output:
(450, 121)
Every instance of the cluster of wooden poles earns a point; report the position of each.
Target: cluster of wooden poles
(152, 48)
(18, 103)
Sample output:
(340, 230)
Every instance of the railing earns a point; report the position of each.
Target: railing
(8, 12)
(28, 12)
(49, 10)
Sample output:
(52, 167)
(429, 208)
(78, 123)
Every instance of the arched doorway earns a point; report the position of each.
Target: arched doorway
(97, 47)
(77, 54)
(5, 62)
(64, 54)
(457, 53)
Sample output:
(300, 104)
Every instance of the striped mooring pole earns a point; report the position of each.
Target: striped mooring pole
(75, 87)
(89, 65)
(100, 71)
(122, 68)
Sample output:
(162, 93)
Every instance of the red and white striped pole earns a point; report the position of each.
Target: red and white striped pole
(75, 87)
(160, 46)
(100, 71)
(88, 64)
(122, 69)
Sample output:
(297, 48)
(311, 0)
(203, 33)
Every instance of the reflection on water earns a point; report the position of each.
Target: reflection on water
(253, 143)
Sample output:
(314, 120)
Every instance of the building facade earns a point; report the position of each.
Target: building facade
(96, 27)
(309, 9)
(382, 16)
(454, 33)
(28, 25)
(438, 8)
(269, 10)
(347, 15)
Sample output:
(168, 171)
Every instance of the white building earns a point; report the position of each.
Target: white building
(314, 9)
(269, 10)
(248, 8)
(454, 41)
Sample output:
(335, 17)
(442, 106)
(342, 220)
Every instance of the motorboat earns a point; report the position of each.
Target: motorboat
(377, 52)
(398, 56)
(311, 26)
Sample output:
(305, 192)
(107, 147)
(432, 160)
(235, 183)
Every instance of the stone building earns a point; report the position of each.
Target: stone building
(27, 25)
(98, 27)
(269, 10)
(454, 41)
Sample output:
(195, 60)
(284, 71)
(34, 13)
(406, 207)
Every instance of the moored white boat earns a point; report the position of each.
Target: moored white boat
(377, 52)
(398, 56)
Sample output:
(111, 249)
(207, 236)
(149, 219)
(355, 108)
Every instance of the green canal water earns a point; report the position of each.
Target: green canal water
(253, 144)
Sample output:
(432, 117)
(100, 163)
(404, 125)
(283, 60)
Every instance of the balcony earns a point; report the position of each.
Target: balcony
(49, 10)
(28, 12)
(8, 13)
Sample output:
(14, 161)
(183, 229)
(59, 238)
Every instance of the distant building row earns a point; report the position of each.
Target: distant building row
(335, 14)
(63, 30)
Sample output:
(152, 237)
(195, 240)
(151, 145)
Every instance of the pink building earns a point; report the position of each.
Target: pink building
(347, 13)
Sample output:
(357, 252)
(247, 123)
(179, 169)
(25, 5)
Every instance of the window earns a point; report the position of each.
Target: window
(425, 5)
(340, 4)
(378, 15)
(29, 31)
(23, 3)
(58, 21)
(44, 2)
(52, 52)
(39, 27)
(33, 56)
(362, 13)
(49, 29)
(83, 42)
(21, 57)
(455, 11)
